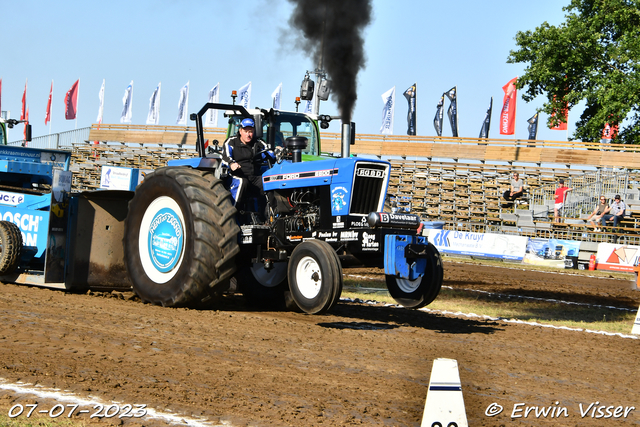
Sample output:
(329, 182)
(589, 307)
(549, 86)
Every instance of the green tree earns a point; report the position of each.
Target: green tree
(593, 56)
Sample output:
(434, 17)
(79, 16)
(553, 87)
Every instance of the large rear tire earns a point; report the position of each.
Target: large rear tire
(315, 276)
(423, 290)
(10, 246)
(180, 237)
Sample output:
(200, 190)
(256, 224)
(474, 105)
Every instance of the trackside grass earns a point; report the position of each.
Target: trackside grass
(555, 313)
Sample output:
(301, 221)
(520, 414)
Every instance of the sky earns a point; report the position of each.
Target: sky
(437, 45)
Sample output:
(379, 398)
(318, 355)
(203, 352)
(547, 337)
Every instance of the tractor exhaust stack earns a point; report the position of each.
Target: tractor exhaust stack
(348, 138)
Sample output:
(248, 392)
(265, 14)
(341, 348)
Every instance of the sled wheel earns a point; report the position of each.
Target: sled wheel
(10, 246)
(259, 285)
(423, 290)
(180, 237)
(314, 278)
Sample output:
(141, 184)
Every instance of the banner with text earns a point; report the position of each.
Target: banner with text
(479, 244)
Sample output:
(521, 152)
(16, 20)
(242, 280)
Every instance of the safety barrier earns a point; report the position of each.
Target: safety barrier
(61, 140)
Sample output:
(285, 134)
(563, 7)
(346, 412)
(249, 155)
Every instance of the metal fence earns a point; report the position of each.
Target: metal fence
(62, 140)
(587, 188)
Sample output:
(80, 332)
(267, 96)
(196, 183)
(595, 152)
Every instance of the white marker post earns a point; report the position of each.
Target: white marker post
(445, 405)
(636, 324)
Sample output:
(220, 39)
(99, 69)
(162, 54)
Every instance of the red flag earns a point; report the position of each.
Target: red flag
(508, 113)
(26, 123)
(71, 102)
(565, 114)
(47, 116)
(609, 132)
(23, 112)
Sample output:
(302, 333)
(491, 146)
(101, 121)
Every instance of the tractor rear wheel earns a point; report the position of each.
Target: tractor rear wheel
(315, 276)
(423, 290)
(180, 237)
(10, 246)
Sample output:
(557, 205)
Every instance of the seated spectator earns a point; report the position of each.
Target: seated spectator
(516, 190)
(597, 213)
(615, 212)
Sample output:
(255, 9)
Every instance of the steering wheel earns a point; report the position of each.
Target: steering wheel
(260, 153)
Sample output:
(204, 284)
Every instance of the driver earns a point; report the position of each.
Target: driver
(239, 153)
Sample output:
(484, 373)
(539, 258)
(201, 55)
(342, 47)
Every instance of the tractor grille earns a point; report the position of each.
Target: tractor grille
(368, 184)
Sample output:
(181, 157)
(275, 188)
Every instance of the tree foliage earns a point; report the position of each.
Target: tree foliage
(593, 56)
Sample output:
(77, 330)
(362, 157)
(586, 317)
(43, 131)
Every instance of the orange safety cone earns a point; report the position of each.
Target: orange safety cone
(592, 262)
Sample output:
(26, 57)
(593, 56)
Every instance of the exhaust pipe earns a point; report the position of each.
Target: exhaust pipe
(348, 138)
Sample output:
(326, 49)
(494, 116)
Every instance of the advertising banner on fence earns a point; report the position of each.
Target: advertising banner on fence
(552, 252)
(479, 244)
(617, 257)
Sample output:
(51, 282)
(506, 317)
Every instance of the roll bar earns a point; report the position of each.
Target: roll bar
(197, 117)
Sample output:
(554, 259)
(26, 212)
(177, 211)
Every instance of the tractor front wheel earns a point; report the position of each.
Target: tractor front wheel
(315, 276)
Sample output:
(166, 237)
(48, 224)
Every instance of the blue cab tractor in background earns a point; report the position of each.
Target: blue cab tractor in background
(179, 240)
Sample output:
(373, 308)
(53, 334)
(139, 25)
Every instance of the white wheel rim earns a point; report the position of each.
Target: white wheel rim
(308, 277)
(161, 270)
(272, 278)
(408, 286)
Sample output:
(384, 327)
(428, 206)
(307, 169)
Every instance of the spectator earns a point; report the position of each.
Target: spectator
(561, 194)
(516, 190)
(615, 212)
(597, 213)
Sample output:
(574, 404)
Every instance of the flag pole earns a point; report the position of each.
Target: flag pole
(457, 113)
(515, 121)
(50, 107)
(77, 102)
(415, 108)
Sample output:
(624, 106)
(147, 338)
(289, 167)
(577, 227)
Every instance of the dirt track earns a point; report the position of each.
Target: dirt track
(359, 365)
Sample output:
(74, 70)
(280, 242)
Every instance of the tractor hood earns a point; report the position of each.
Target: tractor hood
(357, 185)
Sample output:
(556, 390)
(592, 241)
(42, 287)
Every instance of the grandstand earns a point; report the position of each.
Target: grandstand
(468, 197)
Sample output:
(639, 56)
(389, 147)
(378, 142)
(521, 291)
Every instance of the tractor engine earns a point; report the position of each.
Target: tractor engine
(299, 209)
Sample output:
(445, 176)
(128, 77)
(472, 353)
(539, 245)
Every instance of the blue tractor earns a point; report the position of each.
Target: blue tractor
(186, 241)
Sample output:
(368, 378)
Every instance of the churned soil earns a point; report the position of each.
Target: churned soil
(361, 364)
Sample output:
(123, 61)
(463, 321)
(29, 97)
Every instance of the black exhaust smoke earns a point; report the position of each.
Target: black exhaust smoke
(332, 30)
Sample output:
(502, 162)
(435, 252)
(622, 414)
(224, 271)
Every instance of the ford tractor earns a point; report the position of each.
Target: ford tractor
(186, 240)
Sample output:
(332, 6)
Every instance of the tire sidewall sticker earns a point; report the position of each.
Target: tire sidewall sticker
(161, 239)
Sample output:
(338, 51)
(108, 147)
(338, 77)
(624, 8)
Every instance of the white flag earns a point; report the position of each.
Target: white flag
(277, 95)
(101, 97)
(183, 105)
(244, 93)
(127, 100)
(153, 118)
(212, 115)
(389, 99)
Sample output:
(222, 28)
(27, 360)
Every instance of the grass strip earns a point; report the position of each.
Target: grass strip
(509, 307)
